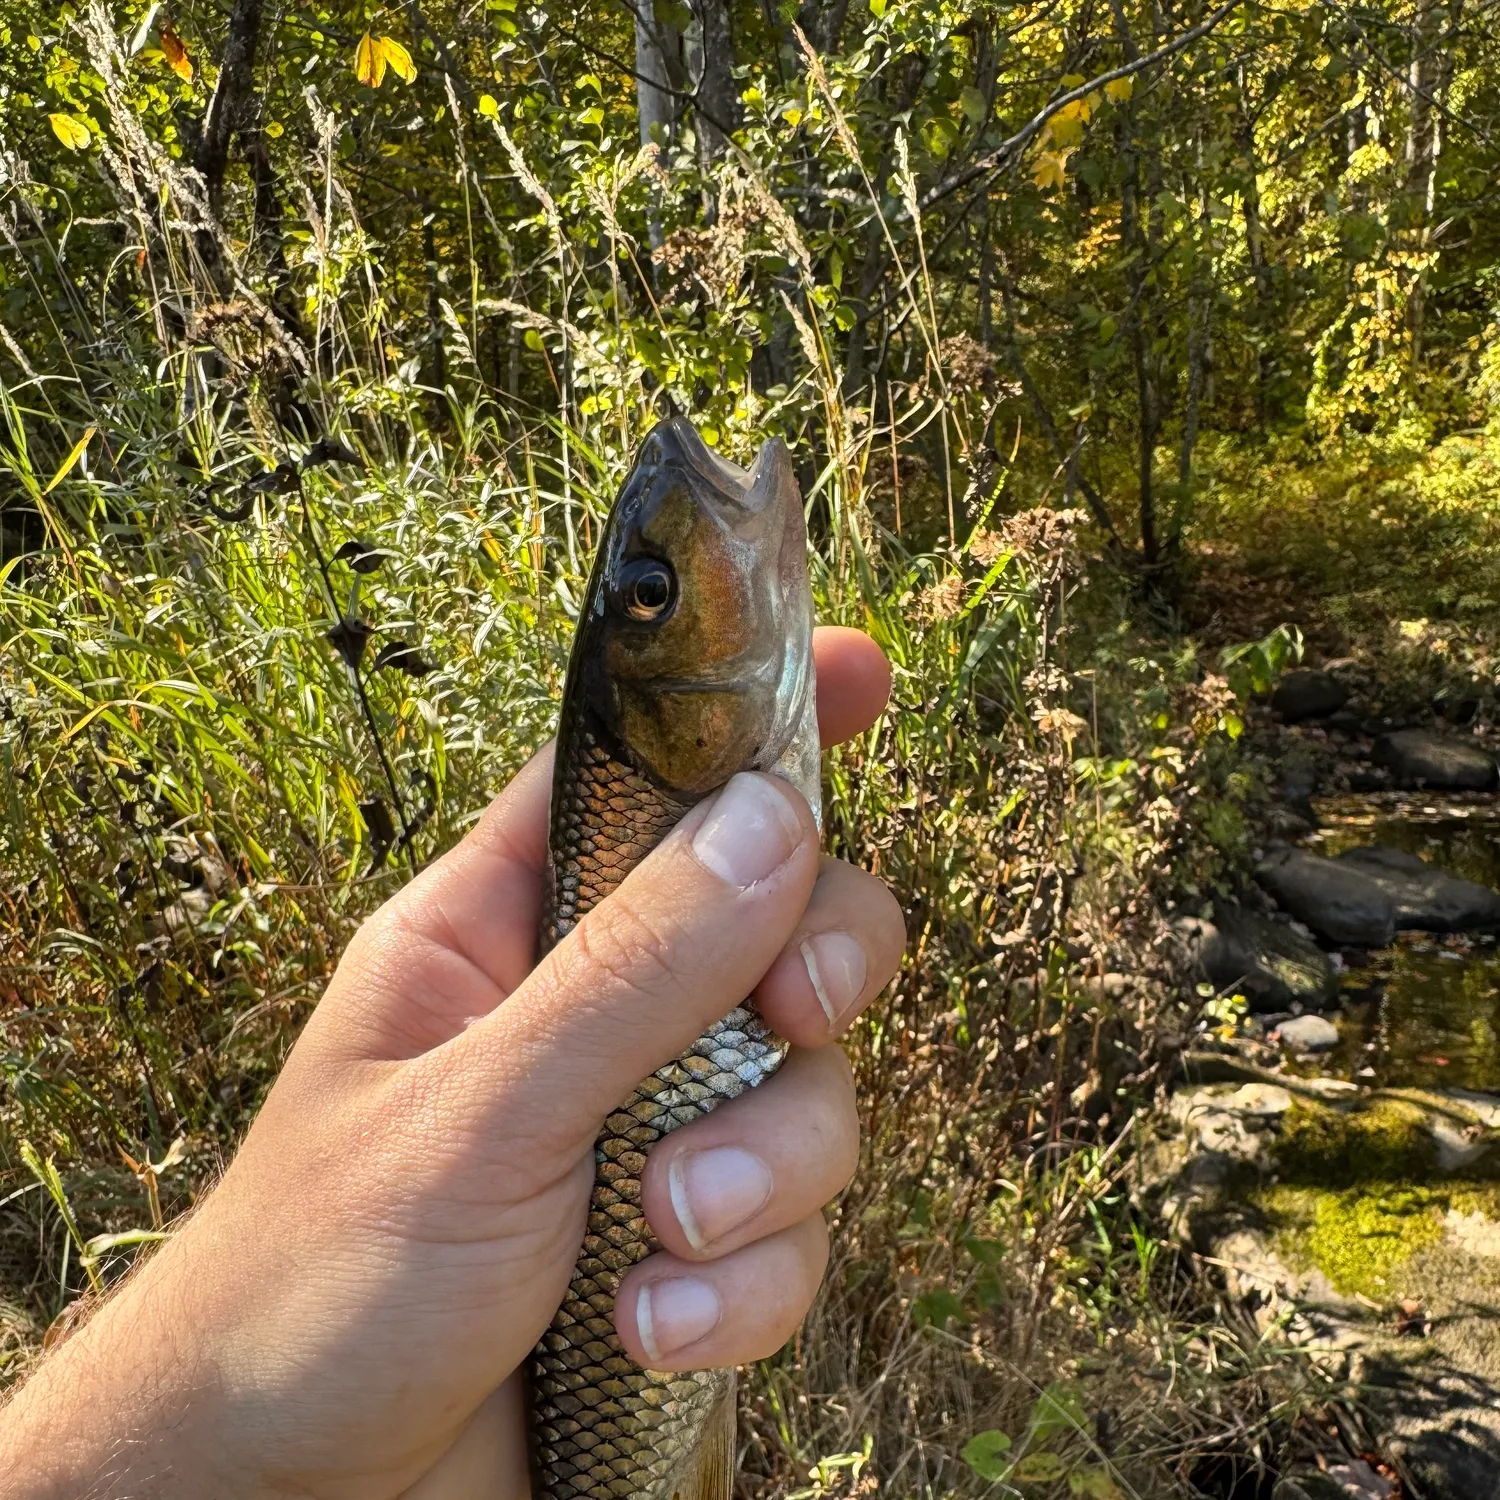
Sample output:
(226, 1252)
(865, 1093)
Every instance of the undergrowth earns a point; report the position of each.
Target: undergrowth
(277, 618)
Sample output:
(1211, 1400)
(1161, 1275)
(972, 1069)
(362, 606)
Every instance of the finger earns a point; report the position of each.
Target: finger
(844, 951)
(758, 1164)
(677, 946)
(854, 682)
(503, 857)
(675, 1315)
(452, 944)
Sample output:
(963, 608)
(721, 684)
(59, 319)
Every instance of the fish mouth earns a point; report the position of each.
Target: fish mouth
(675, 444)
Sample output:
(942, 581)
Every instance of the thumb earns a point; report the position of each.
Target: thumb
(685, 938)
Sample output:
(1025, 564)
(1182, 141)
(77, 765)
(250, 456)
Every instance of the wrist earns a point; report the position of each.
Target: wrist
(131, 1405)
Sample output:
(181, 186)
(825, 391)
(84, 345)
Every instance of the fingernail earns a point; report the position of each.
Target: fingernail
(716, 1190)
(836, 966)
(751, 832)
(671, 1315)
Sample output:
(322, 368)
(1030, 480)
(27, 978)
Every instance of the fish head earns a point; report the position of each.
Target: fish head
(697, 626)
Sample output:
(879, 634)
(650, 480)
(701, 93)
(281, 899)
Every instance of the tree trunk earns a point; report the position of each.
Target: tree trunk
(1430, 76)
(234, 90)
(1255, 247)
(715, 92)
(268, 239)
(658, 68)
(437, 376)
(1067, 455)
(824, 24)
(1136, 237)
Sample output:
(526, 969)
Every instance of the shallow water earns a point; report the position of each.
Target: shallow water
(1425, 1012)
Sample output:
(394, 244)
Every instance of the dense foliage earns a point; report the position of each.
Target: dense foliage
(325, 335)
(1162, 222)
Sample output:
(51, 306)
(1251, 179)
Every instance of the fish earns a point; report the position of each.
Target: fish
(692, 661)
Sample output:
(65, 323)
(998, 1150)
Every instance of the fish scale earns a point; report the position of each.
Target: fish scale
(692, 660)
(601, 1425)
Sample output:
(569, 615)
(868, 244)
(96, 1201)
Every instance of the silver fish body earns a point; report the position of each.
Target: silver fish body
(664, 702)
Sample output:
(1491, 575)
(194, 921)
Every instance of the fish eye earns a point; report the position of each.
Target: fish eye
(647, 588)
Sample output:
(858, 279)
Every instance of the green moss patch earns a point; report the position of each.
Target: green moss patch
(1359, 1238)
(1387, 1142)
(1358, 1195)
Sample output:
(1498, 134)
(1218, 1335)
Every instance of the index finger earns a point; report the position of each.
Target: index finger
(854, 682)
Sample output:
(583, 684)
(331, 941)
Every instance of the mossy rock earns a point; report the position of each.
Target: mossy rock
(1359, 1195)
(1387, 1141)
(1359, 1238)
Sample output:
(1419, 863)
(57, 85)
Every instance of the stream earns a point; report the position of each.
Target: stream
(1424, 1012)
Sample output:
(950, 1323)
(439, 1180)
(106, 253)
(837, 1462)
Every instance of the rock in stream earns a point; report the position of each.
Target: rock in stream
(1426, 758)
(1425, 898)
(1272, 964)
(1352, 1195)
(1308, 693)
(1338, 901)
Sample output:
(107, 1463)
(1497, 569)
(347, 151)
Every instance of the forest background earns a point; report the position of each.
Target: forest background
(1122, 348)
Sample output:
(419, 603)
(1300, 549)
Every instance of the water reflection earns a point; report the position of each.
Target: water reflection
(1425, 1012)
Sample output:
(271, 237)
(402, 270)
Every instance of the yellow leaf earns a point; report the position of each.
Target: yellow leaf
(1047, 169)
(369, 61)
(1119, 89)
(488, 107)
(397, 58)
(1066, 127)
(275, 129)
(71, 131)
(176, 54)
(70, 460)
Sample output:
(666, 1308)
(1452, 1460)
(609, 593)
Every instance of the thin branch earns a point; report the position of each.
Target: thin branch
(1008, 149)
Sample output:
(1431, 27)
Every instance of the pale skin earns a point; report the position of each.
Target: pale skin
(347, 1312)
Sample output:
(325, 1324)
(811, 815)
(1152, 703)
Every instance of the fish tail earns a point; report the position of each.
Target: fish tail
(708, 1473)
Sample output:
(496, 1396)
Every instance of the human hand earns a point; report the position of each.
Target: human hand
(345, 1313)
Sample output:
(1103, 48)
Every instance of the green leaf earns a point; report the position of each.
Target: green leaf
(1039, 1468)
(938, 135)
(1058, 1409)
(67, 464)
(985, 1454)
(102, 1244)
(877, 8)
(672, 13)
(937, 1309)
(972, 103)
(71, 131)
(1093, 1484)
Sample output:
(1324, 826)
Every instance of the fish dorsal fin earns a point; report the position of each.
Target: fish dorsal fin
(709, 1471)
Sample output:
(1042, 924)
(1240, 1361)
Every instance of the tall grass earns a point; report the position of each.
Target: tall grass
(250, 681)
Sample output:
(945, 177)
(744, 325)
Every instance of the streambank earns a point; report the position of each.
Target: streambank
(1333, 1144)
